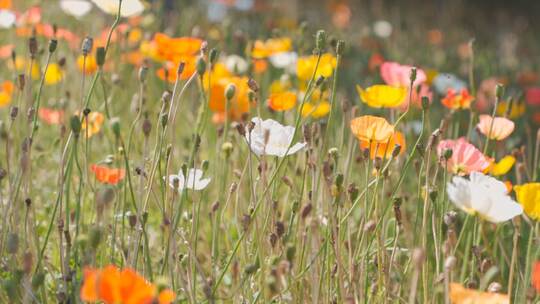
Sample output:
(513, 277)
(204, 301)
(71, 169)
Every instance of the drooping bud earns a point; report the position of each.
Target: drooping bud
(75, 125)
(143, 71)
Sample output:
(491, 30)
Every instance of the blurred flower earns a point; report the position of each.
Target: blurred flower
(375, 61)
(169, 71)
(282, 101)
(238, 105)
(484, 196)
(532, 96)
(385, 149)
(51, 116)
(536, 276)
(462, 295)
(455, 101)
(398, 75)
(6, 50)
(435, 36)
(5, 4)
(236, 64)
(465, 158)
(316, 109)
(341, 15)
(95, 121)
(88, 66)
(528, 195)
(269, 137)
(174, 49)
(443, 82)
(114, 286)
(107, 175)
(76, 8)
(6, 91)
(305, 66)
(527, 78)
(381, 95)
(273, 46)
(129, 7)
(382, 28)
(54, 74)
(194, 180)
(497, 128)
(518, 109)
(261, 65)
(371, 129)
(502, 167)
(23, 66)
(485, 97)
(284, 60)
(7, 18)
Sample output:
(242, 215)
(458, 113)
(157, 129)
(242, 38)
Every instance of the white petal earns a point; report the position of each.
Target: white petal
(459, 192)
(7, 19)
(284, 59)
(77, 8)
(129, 7)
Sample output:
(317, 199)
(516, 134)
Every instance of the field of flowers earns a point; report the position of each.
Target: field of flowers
(228, 151)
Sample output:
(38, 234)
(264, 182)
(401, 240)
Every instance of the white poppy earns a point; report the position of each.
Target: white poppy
(76, 8)
(284, 60)
(382, 28)
(129, 7)
(194, 180)
(269, 137)
(483, 195)
(7, 18)
(237, 64)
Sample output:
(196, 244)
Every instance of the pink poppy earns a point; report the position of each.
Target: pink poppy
(532, 96)
(466, 158)
(497, 128)
(486, 94)
(398, 75)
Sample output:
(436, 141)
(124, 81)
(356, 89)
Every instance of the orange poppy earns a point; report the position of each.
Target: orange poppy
(260, 66)
(170, 69)
(536, 276)
(95, 121)
(263, 49)
(107, 175)
(89, 66)
(114, 286)
(462, 295)
(238, 105)
(454, 100)
(384, 150)
(282, 101)
(6, 50)
(5, 4)
(172, 49)
(372, 129)
(51, 116)
(6, 90)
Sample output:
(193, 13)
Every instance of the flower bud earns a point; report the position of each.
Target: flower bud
(181, 67)
(425, 102)
(253, 85)
(53, 43)
(143, 71)
(413, 74)
(100, 56)
(499, 91)
(212, 56)
(447, 154)
(75, 125)
(33, 46)
(339, 47)
(201, 66)
(230, 91)
(321, 39)
(115, 125)
(87, 45)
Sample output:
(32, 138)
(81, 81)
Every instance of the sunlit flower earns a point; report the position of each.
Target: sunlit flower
(282, 101)
(528, 195)
(114, 286)
(385, 149)
(269, 137)
(502, 167)
(194, 180)
(380, 95)
(261, 65)
(444, 81)
(305, 66)
(6, 91)
(284, 60)
(51, 116)
(483, 195)
(5, 4)
(371, 129)
(465, 158)
(316, 109)
(107, 175)
(264, 49)
(454, 100)
(93, 126)
(174, 49)
(462, 295)
(236, 64)
(6, 50)
(497, 128)
(169, 71)
(536, 276)
(76, 8)
(129, 7)
(399, 75)
(89, 66)
(238, 105)
(54, 74)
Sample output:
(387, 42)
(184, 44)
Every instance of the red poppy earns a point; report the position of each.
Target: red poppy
(107, 175)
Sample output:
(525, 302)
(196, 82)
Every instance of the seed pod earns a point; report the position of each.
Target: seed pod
(201, 66)
(53, 43)
(87, 45)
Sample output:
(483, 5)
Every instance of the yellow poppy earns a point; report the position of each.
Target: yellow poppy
(502, 167)
(263, 49)
(6, 90)
(372, 129)
(95, 121)
(306, 65)
(316, 109)
(518, 109)
(23, 66)
(382, 96)
(54, 74)
(528, 195)
(89, 66)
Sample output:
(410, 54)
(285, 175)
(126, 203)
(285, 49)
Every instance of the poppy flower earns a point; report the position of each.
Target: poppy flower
(54, 74)
(536, 276)
(6, 50)
(7, 18)
(89, 66)
(316, 109)
(528, 195)
(264, 49)
(76, 8)
(194, 180)
(174, 49)
(484, 196)
(462, 295)
(129, 7)
(497, 128)
(260, 66)
(532, 96)
(114, 286)
(397, 75)
(236, 64)
(5, 4)
(6, 90)
(371, 129)
(502, 167)
(382, 96)
(51, 116)
(238, 105)
(517, 110)
(305, 66)
(93, 126)
(282, 101)
(269, 137)
(284, 60)
(385, 149)
(169, 71)
(442, 82)
(107, 175)
(485, 97)
(455, 101)
(23, 66)
(465, 158)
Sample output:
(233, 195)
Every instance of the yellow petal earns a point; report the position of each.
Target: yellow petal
(378, 96)
(503, 166)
